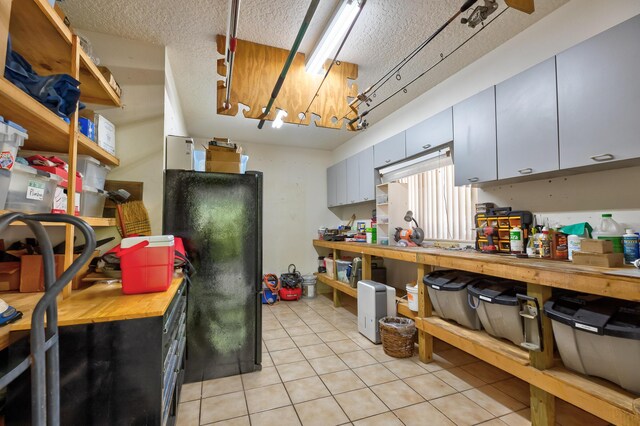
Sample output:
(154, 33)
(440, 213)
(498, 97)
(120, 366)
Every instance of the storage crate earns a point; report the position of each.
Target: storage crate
(448, 293)
(341, 269)
(11, 139)
(598, 336)
(92, 201)
(498, 309)
(94, 173)
(31, 190)
(328, 263)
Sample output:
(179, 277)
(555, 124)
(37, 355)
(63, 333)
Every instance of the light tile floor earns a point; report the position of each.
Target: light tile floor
(318, 370)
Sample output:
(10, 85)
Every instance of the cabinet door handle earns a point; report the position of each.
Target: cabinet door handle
(474, 179)
(387, 161)
(427, 146)
(366, 198)
(526, 171)
(602, 157)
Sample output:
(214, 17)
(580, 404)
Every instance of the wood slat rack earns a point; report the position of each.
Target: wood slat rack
(39, 34)
(545, 373)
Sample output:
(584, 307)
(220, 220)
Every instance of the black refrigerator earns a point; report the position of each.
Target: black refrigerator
(219, 218)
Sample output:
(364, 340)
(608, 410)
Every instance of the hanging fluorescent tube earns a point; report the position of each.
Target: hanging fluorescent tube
(279, 121)
(342, 19)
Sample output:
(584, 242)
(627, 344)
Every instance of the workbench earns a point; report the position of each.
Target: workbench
(121, 356)
(544, 372)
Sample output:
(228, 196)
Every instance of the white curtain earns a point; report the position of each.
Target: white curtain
(444, 211)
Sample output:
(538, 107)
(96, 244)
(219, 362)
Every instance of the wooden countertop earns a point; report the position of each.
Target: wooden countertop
(98, 303)
(623, 283)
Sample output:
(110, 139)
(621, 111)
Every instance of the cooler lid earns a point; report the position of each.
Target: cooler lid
(154, 241)
(448, 280)
(598, 315)
(498, 292)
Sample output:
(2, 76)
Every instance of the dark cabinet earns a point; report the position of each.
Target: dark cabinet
(114, 373)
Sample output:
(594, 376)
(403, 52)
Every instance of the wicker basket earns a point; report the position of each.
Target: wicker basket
(397, 336)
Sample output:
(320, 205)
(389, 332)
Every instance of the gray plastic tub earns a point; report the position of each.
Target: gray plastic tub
(599, 337)
(448, 294)
(497, 307)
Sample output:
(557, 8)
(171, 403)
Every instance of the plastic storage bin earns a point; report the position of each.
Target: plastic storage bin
(146, 263)
(498, 308)
(448, 293)
(341, 270)
(31, 190)
(92, 201)
(94, 173)
(328, 263)
(598, 336)
(11, 139)
(5, 180)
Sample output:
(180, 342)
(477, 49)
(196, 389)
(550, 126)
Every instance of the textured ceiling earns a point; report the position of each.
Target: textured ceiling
(386, 31)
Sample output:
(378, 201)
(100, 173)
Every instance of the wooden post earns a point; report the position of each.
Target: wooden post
(73, 153)
(336, 294)
(5, 17)
(543, 404)
(366, 266)
(425, 340)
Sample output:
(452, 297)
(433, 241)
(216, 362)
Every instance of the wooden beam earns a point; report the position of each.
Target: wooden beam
(366, 267)
(72, 165)
(5, 17)
(425, 340)
(336, 293)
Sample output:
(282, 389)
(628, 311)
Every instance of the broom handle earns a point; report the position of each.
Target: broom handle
(122, 227)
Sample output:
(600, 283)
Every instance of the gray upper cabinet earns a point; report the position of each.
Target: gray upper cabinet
(474, 139)
(367, 175)
(353, 180)
(332, 182)
(599, 97)
(341, 183)
(527, 122)
(389, 150)
(430, 133)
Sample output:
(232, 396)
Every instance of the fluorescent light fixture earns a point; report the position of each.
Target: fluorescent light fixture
(278, 122)
(333, 34)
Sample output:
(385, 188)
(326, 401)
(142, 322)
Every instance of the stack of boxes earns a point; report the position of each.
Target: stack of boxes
(597, 253)
(224, 156)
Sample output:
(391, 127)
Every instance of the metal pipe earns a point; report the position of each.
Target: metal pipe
(292, 54)
(231, 44)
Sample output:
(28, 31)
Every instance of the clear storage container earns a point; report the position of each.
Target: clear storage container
(5, 179)
(94, 173)
(341, 270)
(92, 201)
(31, 190)
(11, 139)
(328, 263)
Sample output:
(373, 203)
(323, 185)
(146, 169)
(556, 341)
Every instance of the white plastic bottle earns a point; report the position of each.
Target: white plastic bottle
(630, 242)
(515, 239)
(609, 229)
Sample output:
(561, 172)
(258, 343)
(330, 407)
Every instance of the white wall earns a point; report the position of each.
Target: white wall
(562, 200)
(294, 203)
(174, 123)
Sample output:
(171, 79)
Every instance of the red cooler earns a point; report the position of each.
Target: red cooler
(146, 263)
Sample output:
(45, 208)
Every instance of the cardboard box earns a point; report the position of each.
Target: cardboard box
(32, 272)
(106, 73)
(9, 276)
(604, 260)
(222, 166)
(596, 246)
(224, 156)
(105, 134)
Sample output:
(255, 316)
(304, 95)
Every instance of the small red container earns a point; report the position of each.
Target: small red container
(290, 293)
(146, 263)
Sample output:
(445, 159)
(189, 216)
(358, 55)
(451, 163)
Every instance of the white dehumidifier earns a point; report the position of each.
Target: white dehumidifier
(375, 301)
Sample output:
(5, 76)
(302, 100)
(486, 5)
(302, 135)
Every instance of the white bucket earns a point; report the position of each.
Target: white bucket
(308, 290)
(412, 297)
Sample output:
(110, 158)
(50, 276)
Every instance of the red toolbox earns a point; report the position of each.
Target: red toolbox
(146, 263)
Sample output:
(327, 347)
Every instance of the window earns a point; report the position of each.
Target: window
(443, 211)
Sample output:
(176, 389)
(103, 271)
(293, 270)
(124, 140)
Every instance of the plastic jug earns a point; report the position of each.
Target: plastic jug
(609, 229)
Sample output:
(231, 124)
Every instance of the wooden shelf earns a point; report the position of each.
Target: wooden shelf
(338, 285)
(88, 147)
(42, 38)
(601, 398)
(95, 222)
(403, 309)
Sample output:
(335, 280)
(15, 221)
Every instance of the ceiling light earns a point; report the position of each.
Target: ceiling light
(278, 122)
(342, 19)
